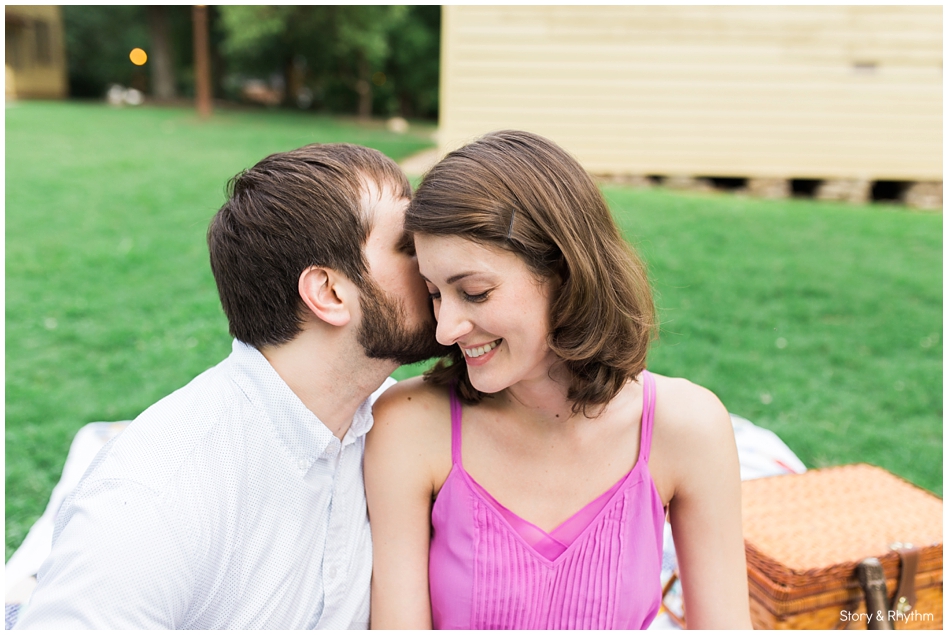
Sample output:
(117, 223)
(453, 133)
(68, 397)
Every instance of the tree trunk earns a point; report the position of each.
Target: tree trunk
(202, 61)
(162, 68)
(405, 108)
(364, 88)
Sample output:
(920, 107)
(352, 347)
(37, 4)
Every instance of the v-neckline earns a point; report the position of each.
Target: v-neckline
(505, 515)
(518, 525)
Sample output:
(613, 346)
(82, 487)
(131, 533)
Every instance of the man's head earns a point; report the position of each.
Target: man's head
(333, 206)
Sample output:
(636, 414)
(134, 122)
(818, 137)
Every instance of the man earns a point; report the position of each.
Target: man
(237, 501)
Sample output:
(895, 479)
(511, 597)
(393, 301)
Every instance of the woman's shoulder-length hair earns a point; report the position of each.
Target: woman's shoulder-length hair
(523, 193)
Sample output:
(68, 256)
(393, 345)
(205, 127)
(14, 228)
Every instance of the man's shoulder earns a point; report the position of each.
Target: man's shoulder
(202, 401)
(168, 433)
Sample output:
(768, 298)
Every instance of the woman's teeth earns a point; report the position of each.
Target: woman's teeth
(481, 350)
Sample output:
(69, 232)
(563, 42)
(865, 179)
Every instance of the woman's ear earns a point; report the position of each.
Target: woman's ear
(327, 294)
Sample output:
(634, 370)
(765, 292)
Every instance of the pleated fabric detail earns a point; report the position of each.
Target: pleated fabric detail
(514, 590)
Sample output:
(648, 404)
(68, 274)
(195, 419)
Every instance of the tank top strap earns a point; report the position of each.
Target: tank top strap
(455, 426)
(648, 415)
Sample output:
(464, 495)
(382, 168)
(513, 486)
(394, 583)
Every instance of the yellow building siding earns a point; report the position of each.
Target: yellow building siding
(35, 52)
(795, 92)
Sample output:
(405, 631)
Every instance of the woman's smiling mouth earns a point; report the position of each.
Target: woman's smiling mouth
(480, 351)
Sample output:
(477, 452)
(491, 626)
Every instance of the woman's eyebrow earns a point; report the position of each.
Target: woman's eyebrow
(459, 276)
(452, 279)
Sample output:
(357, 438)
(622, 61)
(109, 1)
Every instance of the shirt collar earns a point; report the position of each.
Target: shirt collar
(302, 434)
(361, 422)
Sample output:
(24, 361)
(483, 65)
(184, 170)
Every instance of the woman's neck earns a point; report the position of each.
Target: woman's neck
(542, 401)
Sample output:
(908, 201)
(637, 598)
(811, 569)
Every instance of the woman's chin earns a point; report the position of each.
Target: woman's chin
(485, 384)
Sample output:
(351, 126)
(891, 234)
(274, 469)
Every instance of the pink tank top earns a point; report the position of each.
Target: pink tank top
(490, 569)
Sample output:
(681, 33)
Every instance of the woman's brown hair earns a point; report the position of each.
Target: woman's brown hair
(525, 194)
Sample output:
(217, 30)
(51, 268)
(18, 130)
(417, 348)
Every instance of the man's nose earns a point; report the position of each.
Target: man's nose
(452, 324)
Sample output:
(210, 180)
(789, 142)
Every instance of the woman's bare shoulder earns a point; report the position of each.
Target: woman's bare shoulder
(685, 407)
(412, 427)
(411, 402)
(692, 434)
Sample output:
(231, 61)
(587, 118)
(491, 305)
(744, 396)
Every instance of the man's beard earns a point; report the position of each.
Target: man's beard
(385, 333)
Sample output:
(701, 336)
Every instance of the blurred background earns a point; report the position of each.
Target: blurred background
(779, 169)
(380, 60)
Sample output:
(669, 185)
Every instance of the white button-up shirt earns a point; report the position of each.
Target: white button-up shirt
(226, 505)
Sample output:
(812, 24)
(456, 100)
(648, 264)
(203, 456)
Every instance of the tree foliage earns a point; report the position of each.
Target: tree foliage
(98, 41)
(379, 60)
(349, 58)
(414, 63)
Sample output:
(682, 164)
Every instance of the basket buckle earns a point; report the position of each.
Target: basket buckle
(903, 606)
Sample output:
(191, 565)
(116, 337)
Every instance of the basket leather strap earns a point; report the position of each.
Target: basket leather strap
(872, 581)
(904, 599)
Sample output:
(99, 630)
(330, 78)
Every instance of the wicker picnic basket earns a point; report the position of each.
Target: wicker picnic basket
(805, 534)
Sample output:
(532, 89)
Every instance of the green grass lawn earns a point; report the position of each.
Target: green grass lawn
(821, 322)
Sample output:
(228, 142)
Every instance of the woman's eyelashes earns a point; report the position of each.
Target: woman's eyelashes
(467, 297)
(476, 297)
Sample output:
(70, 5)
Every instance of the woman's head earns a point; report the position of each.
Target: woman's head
(522, 193)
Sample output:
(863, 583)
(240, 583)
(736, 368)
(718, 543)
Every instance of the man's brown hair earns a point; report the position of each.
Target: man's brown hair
(523, 193)
(293, 210)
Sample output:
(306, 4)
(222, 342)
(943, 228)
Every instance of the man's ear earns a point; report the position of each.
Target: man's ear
(327, 294)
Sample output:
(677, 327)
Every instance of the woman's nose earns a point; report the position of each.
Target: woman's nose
(452, 324)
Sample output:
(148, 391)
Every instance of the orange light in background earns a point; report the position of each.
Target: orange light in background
(138, 57)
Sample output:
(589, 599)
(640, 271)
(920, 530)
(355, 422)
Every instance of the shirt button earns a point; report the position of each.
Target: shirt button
(302, 464)
(332, 573)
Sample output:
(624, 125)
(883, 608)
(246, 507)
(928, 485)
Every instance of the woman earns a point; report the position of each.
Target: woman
(474, 475)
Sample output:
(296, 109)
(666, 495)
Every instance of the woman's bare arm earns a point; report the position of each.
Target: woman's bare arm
(401, 465)
(697, 440)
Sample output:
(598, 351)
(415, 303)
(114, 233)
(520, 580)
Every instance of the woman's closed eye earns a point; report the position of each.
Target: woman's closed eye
(435, 294)
(475, 297)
